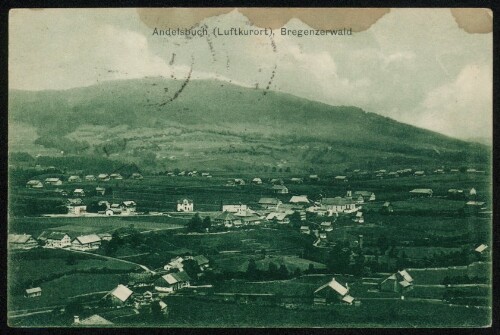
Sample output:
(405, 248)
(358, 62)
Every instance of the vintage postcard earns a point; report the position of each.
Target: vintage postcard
(250, 167)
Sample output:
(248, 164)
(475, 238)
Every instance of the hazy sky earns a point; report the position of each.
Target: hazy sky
(413, 65)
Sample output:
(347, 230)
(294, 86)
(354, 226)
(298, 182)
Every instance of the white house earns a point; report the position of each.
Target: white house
(172, 282)
(86, 242)
(21, 241)
(240, 210)
(280, 189)
(74, 179)
(34, 184)
(129, 207)
(257, 181)
(121, 295)
(103, 177)
(33, 292)
(116, 176)
(338, 205)
(299, 200)
(53, 181)
(185, 205)
(57, 240)
(79, 192)
(332, 292)
(367, 195)
(269, 203)
(90, 177)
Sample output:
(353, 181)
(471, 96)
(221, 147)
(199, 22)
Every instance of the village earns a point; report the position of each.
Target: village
(303, 244)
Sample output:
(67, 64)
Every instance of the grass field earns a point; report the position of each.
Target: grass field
(388, 313)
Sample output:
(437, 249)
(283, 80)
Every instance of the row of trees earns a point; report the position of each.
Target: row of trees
(197, 224)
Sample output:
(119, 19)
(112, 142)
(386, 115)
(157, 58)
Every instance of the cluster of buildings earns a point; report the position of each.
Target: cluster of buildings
(58, 181)
(56, 239)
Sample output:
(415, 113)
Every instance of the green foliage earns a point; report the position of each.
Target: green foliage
(195, 224)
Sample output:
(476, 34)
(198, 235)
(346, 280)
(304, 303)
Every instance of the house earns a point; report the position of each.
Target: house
(128, 207)
(332, 293)
(359, 218)
(202, 262)
(86, 242)
(74, 179)
(276, 181)
(454, 170)
(419, 173)
(340, 179)
(471, 170)
(421, 192)
(454, 193)
(313, 177)
(175, 263)
(90, 177)
(239, 181)
(305, 230)
(480, 249)
(205, 174)
(172, 282)
(185, 205)
(226, 218)
(34, 184)
(61, 192)
(399, 282)
(136, 176)
(120, 295)
(55, 239)
(100, 190)
(33, 292)
(257, 181)
(75, 206)
(53, 181)
(105, 236)
(338, 205)
(116, 209)
(472, 192)
(103, 177)
(387, 208)
(299, 200)
(252, 219)
(393, 174)
(279, 189)
(78, 192)
(296, 180)
(21, 241)
(91, 321)
(278, 217)
(367, 195)
(269, 203)
(326, 226)
(236, 209)
(115, 176)
(439, 171)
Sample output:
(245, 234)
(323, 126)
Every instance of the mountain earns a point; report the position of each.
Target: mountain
(159, 122)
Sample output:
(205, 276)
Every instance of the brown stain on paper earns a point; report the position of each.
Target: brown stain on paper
(359, 19)
(474, 20)
(471, 20)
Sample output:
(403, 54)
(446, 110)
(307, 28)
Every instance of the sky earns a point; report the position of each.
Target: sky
(413, 65)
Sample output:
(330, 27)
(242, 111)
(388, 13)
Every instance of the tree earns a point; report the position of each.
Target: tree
(191, 267)
(297, 272)
(283, 272)
(195, 224)
(252, 271)
(310, 269)
(73, 308)
(272, 270)
(207, 222)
